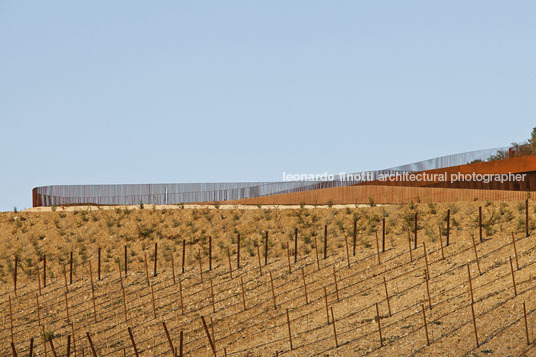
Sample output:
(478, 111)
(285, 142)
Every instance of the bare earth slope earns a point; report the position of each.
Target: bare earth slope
(243, 313)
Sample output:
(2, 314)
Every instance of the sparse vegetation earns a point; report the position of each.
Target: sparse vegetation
(32, 235)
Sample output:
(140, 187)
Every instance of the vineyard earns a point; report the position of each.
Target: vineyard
(417, 279)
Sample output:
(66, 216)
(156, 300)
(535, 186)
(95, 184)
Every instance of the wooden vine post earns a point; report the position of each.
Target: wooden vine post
(383, 234)
(172, 269)
(527, 217)
(480, 222)
(513, 277)
(448, 227)
(168, 337)
(43, 339)
(13, 350)
(238, 252)
(288, 256)
(212, 297)
(289, 332)
(146, 268)
(44, 271)
(347, 251)
(243, 292)
(295, 245)
(37, 310)
(335, 281)
(266, 248)
(181, 339)
(155, 268)
(326, 301)
(474, 324)
(230, 266)
(316, 251)
(123, 292)
(387, 296)
(409, 244)
(210, 253)
(526, 323)
(470, 284)
(426, 280)
(334, 328)
(325, 241)
(476, 256)
(200, 265)
(153, 301)
(259, 259)
(180, 295)
(11, 318)
(425, 257)
(31, 347)
(379, 324)
(93, 351)
(425, 325)
(305, 287)
(66, 294)
(99, 265)
(52, 347)
(378, 249)
(73, 338)
(515, 251)
(65, 277)
(92, 293)
(441, 243)
(273, 290)
(132, 341)
(15, 275)
(355, 235)
(38, 281)
(211, 342)
(183, 254)
(416, 226)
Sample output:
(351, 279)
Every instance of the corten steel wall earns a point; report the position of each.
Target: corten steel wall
(217, 192)
(517, 165)
(385, 195)
(406, 191)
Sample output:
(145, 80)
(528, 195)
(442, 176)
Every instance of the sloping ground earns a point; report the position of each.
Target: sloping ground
(253, 319)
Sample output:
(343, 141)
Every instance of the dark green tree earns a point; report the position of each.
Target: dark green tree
(532, 142)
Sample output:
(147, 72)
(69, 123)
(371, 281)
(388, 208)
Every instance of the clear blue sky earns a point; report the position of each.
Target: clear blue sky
(209, 91)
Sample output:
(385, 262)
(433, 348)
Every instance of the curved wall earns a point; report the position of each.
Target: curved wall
(253, 192)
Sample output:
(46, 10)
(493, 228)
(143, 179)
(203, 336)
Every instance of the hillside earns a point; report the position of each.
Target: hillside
(243, 313)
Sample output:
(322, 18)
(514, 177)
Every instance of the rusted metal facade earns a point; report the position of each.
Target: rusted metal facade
(364, 194)
(273, 192)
